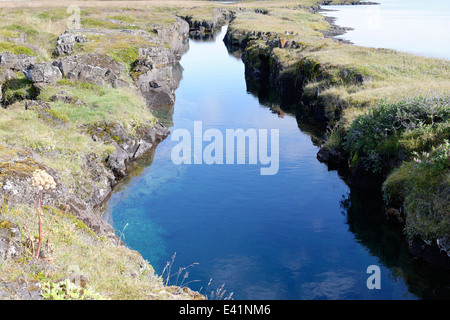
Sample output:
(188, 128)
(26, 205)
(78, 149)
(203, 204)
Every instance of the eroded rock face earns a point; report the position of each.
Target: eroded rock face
(16, 169)
(9, 65)
(97, 68)
(220, 18)
(175, 35)
(154, 77)
(128, 148)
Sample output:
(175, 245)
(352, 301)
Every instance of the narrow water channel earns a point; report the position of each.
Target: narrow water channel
(299, 234)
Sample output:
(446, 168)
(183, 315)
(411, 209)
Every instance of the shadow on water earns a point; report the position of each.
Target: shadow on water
(383, 238)
(364, 210)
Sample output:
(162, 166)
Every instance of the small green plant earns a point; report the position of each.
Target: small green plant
(66, 290)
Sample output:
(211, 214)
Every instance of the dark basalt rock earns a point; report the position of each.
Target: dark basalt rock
(431, 253)
(334, 157)
(363, 179)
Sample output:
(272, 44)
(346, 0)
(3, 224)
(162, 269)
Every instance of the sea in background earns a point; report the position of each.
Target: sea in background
(414, 26)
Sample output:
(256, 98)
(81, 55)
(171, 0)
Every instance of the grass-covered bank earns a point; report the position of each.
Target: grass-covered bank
(387, 112)
(407, 142)
(82, 120)
(95, 267)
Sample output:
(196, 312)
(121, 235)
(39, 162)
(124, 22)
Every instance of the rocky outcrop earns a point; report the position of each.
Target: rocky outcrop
(43, 72)
(201, 27)
(128, 148)
(16, 62)
(156, 82)
(16, 170)
(99, 69)
(65, 44)
(9, 65)
(335, 157)
(96, 68)
(176, 36)
(155, 71)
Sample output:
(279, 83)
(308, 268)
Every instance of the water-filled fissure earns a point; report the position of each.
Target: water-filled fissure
(298, 234)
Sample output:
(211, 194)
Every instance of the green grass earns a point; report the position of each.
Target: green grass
(422, 186)
(100, 103)
(18, 89)
(15, 48)
(374, 137)
(112, 271)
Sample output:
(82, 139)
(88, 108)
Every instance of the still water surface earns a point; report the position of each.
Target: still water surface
(415, 26)
(299, 234)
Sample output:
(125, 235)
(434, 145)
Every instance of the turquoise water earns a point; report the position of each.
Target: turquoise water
(299, 234)
(415, 26)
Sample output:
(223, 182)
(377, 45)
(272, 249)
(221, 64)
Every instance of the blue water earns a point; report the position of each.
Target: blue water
(414, 26)
(299, 234)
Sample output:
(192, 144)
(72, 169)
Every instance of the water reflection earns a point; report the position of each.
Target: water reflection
(277, 237)
(384, 238)
(365, 216)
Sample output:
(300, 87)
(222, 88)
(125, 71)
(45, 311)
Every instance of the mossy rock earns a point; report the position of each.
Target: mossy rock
(11, 232)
